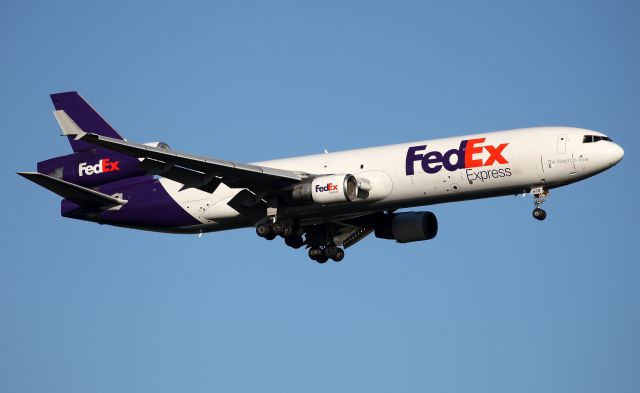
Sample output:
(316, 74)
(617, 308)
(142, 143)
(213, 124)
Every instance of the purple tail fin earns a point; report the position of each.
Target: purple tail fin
(84, 116)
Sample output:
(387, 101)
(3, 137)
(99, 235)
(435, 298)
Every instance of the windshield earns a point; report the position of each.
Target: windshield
(595, 138)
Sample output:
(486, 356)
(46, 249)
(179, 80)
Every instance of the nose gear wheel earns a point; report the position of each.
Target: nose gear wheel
(540, 195)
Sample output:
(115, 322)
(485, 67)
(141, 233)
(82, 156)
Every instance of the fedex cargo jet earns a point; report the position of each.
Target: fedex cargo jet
(324, 202)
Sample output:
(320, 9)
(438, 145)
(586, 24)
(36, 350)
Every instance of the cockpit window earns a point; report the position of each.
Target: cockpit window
(595, 138)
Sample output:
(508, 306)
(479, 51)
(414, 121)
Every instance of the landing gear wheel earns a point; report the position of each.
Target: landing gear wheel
(322, 259)
(540, 194)
(270, 236)
(263, 230)
(539, 214)
(287, 231)
(294, 241)
(277, 228)
(330, 251)
(317, 254)
(339, 255)
(314, 253)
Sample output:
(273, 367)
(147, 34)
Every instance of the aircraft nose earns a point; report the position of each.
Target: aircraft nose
(615, 153)
(618, 153)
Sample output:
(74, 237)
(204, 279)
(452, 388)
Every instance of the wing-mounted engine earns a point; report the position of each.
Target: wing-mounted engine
(327, 190)
(340, 188)
(374, 185)
(407, 227)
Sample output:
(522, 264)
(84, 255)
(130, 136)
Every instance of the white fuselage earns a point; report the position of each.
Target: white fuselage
(427, 172)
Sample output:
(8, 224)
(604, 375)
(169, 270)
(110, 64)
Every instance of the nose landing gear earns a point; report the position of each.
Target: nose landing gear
(540, 194)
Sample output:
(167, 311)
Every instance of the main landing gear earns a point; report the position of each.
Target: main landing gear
(540, 194)
(269, 230)
(323, 254)
(286, 230)
(318, 238)
(322, 244)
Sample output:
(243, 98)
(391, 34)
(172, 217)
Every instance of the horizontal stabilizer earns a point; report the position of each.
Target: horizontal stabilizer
(79, 195)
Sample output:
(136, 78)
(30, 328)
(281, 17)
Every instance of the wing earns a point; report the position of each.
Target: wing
(199, 172)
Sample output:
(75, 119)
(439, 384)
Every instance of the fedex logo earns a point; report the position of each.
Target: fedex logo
(329, 187)
(467, 155)
(102, 166)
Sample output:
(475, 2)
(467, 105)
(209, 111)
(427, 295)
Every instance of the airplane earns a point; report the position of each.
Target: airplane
(325, 202)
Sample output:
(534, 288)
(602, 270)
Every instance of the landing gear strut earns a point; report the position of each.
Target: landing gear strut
(539, 196)
(273, 227)
(322, 243)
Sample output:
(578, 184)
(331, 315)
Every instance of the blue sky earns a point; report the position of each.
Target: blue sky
(496, 303)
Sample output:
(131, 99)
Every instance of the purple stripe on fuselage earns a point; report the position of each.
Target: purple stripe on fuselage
(148, 205)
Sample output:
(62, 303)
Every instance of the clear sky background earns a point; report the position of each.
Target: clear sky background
(498, 302)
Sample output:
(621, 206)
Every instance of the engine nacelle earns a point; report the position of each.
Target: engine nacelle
(408, 227)
(160, 145)
(327, 189)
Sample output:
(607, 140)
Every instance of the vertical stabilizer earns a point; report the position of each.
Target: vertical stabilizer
(83, 116)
